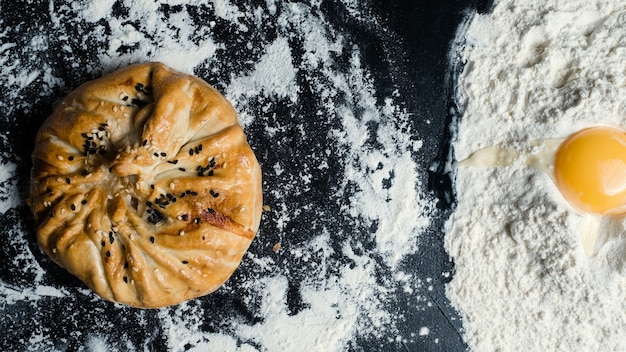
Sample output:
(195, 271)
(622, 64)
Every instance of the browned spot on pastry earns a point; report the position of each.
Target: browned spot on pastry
(222, 221)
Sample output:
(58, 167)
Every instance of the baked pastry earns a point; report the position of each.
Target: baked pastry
(143, 186)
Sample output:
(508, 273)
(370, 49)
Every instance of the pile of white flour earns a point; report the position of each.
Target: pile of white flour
(535, 70)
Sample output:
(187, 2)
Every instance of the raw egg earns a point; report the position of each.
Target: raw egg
(588, 168)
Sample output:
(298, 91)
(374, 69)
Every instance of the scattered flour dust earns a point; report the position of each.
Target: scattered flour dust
(379, 188)
(535, 70)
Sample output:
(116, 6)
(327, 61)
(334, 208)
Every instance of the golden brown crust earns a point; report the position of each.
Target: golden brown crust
(144, 186)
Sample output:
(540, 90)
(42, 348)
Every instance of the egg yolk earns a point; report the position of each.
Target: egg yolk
(590, 170)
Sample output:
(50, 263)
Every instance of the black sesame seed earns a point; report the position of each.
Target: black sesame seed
(139, 87)
(193, 193)
(126, 279)
(181, 169)
(152, 239)
(51, 214)
(70, 158)
(83, 202)
(203, 238)
(200, 147)
(145, 141)
(149, 204)
(182, 195)
(185, 262)
(196, 221)
(155, 216)
(125, 265)
(214, 194)
(210, 210)
(108, 253)
(103, 243)
(163, 154)
(138, 103)
(84, 172)
(101, 129)
(210, 173)
(73, 207)
(152, 186)
(191, 151)
(125, 98)
(185, 217)
(67, 180)
(156, 154)
(197, 150)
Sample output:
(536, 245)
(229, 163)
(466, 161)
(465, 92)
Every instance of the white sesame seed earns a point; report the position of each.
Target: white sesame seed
(59, 157)
(54, 250)
(172, 185)
(181, 233)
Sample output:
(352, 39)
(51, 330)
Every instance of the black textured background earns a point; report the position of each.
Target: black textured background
(411, 58)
